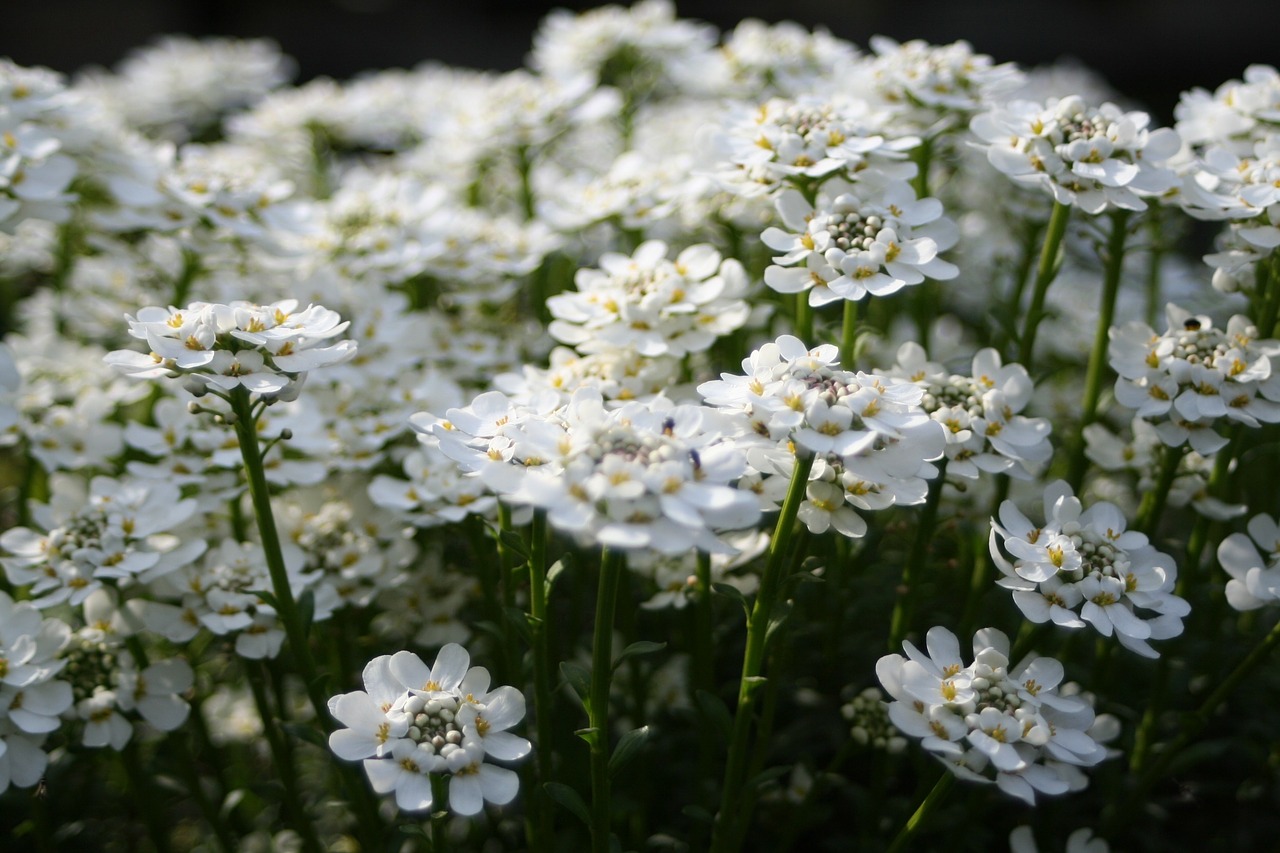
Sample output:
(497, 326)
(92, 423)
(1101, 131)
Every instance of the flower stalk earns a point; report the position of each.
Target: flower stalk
(725, 833)
(1046, 271)
(612, 567)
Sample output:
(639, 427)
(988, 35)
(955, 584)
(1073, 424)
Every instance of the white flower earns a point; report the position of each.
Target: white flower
(1093, 158)
(1255, 578)
(651, 305)
(416, 720)
(1018, 727)
(1086, 559)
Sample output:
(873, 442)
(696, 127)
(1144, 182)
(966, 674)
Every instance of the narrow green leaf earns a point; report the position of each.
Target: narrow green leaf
(558, 568)
(628, 747)
(716, 712)
(578, 677)
(267, 597)
(730, 591)
(640, 647)
(307, 610)
(514, 543)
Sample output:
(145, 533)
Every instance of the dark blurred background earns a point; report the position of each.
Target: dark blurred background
(1149, 49)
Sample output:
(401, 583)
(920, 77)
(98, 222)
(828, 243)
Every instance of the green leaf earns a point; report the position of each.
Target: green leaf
(767, 776)
(514, 543)
(307, 610)
(699, 814)
(266, 596)
(520, 620)
(730, 591)
(781, 612)
(628, 748)
(640, 647)
(716, 712)
(558, 568)
(578, 677)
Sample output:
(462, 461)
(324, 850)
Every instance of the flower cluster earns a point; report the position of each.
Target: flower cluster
(414, 721)
(990, 718)
(871, 440)
(31, 695)
(1093, 158)
(1083, 565)
(650, 304)
(117, 534)
(35, 176)
(1193, 376)
(1255, 578)
(264, 349)
(984, 429)
(858, 241)
(645, 475)
(788, 142)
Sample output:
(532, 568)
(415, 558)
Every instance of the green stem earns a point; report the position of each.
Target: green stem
(1153, 502)
(849, 332)
(144, 797)
(731, 814)
(439, 813)
(980, 577)
(281, 757)
(923, 157)
(1046, 272)
(286, 605)
(525, 165)
(1198, 719)
(804, 318)
(902, 607)
(1113, 264)
(541, 825)
(612, 566)
(930, 802)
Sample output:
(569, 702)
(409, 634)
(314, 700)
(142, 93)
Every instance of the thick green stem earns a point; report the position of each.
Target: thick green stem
(930, 802)
(541, 827)
(1046, 272)
(902, 607)
(849, 332)
(731, 814)
(612, 567)
(1113, 265)
(439, 813)
(281, 757)
(144, 796)
(804, 318)
(1153, 502)
(285, 604)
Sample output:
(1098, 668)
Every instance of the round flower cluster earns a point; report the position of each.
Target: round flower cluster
(858, 241)
(118, 533)
(642, 476)
(413, 721)
(1091, 158)
(1194, 375)
(935, 87)
(650, 304)
(264, 349)
(1083, 565)
(1243, 189)
(989, 718)
(1236, 115)
(106, 682)
(31, 695)
(796, 142)
(980, 412)
(1255, 578)
(870, 438)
